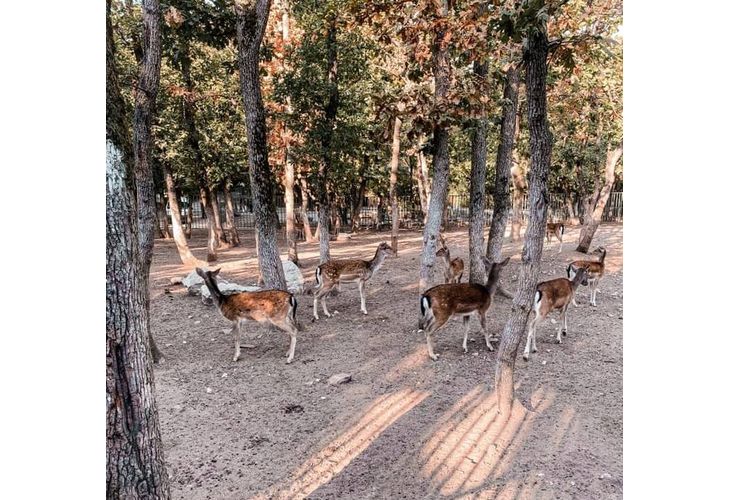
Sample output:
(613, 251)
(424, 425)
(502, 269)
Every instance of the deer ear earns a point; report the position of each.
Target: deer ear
(215, 272)
(200, 272)
(505, 261)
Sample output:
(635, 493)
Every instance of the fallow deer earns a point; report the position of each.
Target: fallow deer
(333, 272)
(556, 229)
(453, 269)
(550, 295)
(595, 271)
(441, 302)
(267, 306)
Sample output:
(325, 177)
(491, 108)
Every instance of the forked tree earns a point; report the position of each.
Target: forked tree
(535, 59)
(135, 465)
(251, 20)
(178, 233)
(597, 202)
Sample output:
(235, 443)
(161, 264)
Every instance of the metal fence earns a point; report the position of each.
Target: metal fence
(375, 212)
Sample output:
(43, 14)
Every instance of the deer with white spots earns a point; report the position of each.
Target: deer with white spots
(552, 295)
(595, 271)
(333, 272)
(266, 306)
(556, 229)
(453, 269)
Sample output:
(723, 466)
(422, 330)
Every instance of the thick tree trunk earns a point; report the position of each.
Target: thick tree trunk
(305, 211)
(213, 242)
(186, 256)
(477, 273)
(219, 233)
(599, 198)
(394, 161)
(135, 464)
(504, 165)
(251, 22)
(431, 230)
(233, 238)
(330, 114)
(540, 150)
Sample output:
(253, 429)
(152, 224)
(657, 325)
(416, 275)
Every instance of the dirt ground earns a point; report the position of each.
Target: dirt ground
(405, 427)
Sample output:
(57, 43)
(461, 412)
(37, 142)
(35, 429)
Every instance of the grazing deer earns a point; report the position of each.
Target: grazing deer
(333, 272)
(595, 271)
(453, 269)
(551, 295)
(441, 302)
(267, 306)
(556, 229)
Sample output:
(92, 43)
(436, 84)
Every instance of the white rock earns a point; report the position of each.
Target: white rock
(176, 280)
(572, 483)
(605, 476)
(544, 362)
(226, 289)
(293, 276)
(224, 375)
(208, 390)
(193, 282)
(339, 378)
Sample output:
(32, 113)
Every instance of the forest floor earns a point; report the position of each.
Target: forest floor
(405, 427)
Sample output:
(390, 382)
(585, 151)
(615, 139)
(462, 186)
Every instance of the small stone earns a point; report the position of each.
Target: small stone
(605, 476)
(548, 350)
(540, 474)
(209, 390)
(224, 375)
(176, 280)
(544, 362)
(185, 341)
(339, 378)
(552, 320)
(323, 397)
(475, 353)
(317, 380)
(190, 317)
(197, 322)
(572, 483)
(213, 339)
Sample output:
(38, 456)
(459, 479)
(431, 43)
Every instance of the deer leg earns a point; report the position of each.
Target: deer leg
(291, 329)
(594, 285)
(236, 330)
(361, 285)
(431, 354)
(531, 342)
(324, 305)
(466, 333)
(565, 324)
(483, 324)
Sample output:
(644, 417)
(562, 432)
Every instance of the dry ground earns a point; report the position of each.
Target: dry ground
(405, 427)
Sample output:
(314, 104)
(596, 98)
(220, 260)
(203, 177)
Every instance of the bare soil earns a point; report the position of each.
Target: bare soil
(405, 426)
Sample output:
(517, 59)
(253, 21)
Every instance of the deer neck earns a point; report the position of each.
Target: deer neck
(214, 290)
(377, 260)
(492, 281)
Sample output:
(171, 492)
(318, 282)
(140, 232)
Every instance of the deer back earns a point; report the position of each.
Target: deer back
(458, 298)
(555, 293)
(266, 305)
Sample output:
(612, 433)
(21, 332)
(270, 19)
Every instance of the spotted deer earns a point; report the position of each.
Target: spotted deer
(550, 295)
(267, 306)
(556, 229)
(453, 269)
(441, 302)
(595, 271)
(333, 272)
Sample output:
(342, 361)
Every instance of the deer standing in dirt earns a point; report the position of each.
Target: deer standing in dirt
(441, 302)
(595, 271)
(550, 295)
(453, 269)
(267, 306)
(333, 272)
(556, 229)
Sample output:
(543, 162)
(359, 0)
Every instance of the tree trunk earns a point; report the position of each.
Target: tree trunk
(291, 232)
(504, 165)
(157, 225)
(424, 184)
(330, 114)
(360, 192)
(162, 217)
(219, 233)
(535, 58)
(186, 256)
(394, 161)
(233, 238)
(519, 187)
(477, 273)
(135, 463)
(599, 199)
(305, 211)
(251, 22)
(189, 220)
(212, 234)
(431, 230)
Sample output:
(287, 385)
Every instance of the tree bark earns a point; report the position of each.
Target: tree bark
(535, 58)
(424, 184)
(135, 463)
(186, 256)
(210, 216)
(291, 232)
(431, 230)
(233, 238)
(394, 161)
(599, 199)
(519, 187)
(251, 20)
(477, 273)
(219, 233)
(360, 193)
(504, 165)
(157, 225)
(162, 217)
(305, 211)
(330, 114)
